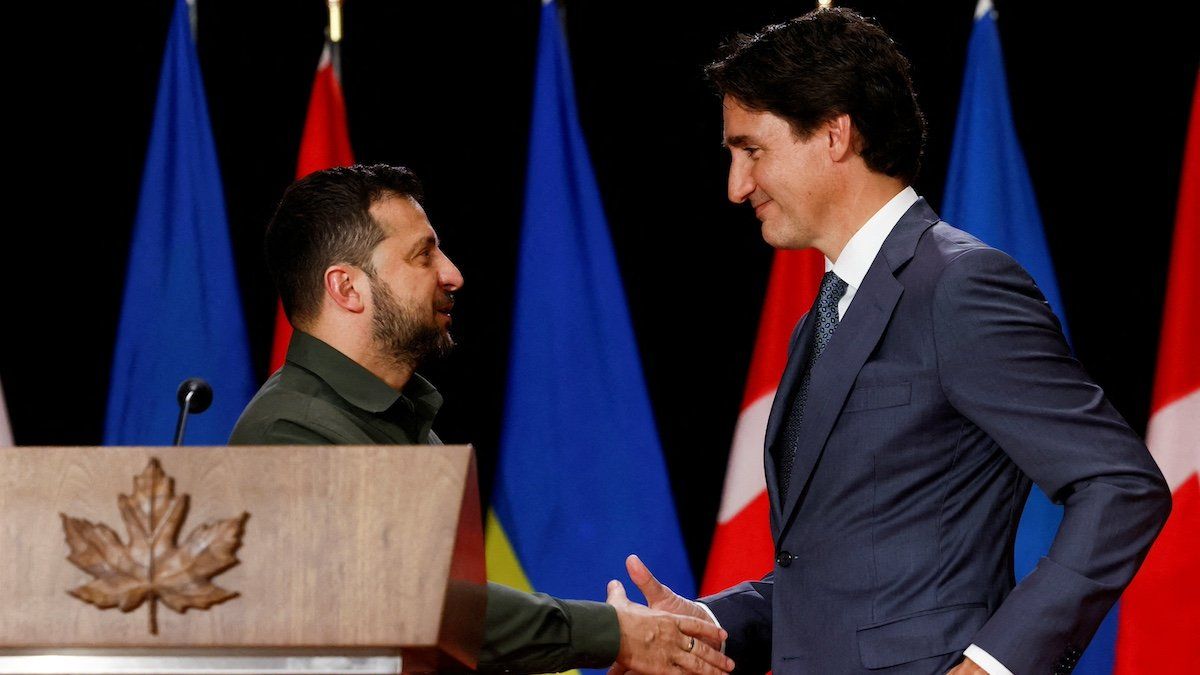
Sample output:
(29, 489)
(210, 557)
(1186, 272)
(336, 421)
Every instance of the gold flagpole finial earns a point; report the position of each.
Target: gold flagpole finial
(335, 20)
(191, 5)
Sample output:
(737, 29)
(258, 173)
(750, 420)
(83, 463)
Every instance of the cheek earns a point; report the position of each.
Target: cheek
(760, 172)
(775, 178)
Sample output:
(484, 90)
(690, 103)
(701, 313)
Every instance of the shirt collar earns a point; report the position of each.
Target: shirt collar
(359, 386)
(860, 251)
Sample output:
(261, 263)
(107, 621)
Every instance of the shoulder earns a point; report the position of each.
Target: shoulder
(296, 407)
(944, 245)
(949, 257)
(975, 287)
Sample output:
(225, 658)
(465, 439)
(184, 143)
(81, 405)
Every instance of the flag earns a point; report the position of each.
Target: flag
(989, 194)
(180, 315)
(325, 144)
(1160, 611)
(580, 482)
(6, 437)
(742, 547)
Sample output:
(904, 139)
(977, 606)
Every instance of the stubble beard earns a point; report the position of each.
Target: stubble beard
(400, 335)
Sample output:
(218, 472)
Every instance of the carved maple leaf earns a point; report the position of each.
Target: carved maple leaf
(152, 566)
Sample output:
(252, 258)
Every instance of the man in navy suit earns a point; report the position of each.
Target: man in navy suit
(926, 388)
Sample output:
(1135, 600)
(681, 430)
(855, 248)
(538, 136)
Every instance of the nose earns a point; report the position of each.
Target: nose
(448, 276)
(741, 184)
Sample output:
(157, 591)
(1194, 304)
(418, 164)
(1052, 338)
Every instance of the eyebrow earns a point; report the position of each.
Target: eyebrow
(737, 141)
(428, 240)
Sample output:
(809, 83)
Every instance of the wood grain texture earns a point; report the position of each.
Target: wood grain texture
(344, 547)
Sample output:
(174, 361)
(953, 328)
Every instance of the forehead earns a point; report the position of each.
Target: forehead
(750, 127)
(401, 217)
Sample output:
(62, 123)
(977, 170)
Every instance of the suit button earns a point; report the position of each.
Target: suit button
(784, 559)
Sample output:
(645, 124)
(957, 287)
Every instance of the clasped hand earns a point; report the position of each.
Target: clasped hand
(671, 636)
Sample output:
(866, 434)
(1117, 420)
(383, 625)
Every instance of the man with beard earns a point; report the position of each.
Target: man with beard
(370, 294)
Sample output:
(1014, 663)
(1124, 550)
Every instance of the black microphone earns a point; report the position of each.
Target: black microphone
(194, 396)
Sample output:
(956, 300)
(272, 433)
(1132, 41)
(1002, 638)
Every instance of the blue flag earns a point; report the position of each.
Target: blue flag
(990, 195)
(581, 482)
(181, 315)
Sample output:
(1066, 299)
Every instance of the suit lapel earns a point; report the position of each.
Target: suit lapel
(797, 356)
(857, 334)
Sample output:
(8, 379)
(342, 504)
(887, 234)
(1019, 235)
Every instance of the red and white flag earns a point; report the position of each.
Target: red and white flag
(1160, 611)
(741, 547)
(325, 144)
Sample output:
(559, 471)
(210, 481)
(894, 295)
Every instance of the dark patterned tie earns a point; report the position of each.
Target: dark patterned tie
(826, 315)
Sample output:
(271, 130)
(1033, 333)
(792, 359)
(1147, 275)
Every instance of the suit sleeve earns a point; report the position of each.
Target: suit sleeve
(537, 633)
(1004, 365)
(744, 611)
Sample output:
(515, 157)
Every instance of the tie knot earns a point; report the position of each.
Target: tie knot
(832, 286)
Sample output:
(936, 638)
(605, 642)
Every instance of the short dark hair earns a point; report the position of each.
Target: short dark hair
(324, 219)
(823, 64)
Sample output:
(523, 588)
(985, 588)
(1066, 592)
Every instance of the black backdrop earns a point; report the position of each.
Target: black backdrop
(1100, 98)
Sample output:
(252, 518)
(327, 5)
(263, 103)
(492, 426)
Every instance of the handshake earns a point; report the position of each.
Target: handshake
(673, 635)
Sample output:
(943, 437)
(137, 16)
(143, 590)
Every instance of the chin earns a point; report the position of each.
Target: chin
(784, 236)
(777, 237)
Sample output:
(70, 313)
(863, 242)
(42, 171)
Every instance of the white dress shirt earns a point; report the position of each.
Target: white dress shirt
(858, 253)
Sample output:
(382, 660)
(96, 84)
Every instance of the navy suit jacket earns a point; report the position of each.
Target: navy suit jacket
(946, 388)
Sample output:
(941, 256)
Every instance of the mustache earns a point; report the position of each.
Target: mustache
(445, 302)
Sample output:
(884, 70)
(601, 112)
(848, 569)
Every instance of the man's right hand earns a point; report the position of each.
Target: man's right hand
(660, 597)
(655, 642)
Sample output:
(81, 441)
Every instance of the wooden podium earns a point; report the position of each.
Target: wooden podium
(348, 559)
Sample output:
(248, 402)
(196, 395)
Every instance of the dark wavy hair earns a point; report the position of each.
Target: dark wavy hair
(324, 219)
(823, 64)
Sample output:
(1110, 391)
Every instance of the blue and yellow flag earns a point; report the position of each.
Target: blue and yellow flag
(181, 315)
(990, 195)
(581, 481)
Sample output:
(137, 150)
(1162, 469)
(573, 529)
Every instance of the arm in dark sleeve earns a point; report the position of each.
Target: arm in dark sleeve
(537, 633)
(1004, 365)
(744, 611)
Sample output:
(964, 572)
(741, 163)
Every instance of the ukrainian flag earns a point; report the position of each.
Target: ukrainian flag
(581, 481)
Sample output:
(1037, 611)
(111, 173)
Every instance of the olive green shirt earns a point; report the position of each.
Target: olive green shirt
(322, 397)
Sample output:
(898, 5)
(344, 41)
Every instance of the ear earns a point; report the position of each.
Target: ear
(840, 132)
(343, 284)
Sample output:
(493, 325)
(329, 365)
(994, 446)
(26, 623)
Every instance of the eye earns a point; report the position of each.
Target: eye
(752, 151)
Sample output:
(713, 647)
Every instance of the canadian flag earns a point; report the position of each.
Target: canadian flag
(742, 547)
(1160, 611)
(325, 144)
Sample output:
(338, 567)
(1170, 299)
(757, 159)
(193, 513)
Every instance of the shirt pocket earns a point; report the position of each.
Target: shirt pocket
(874, 396)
